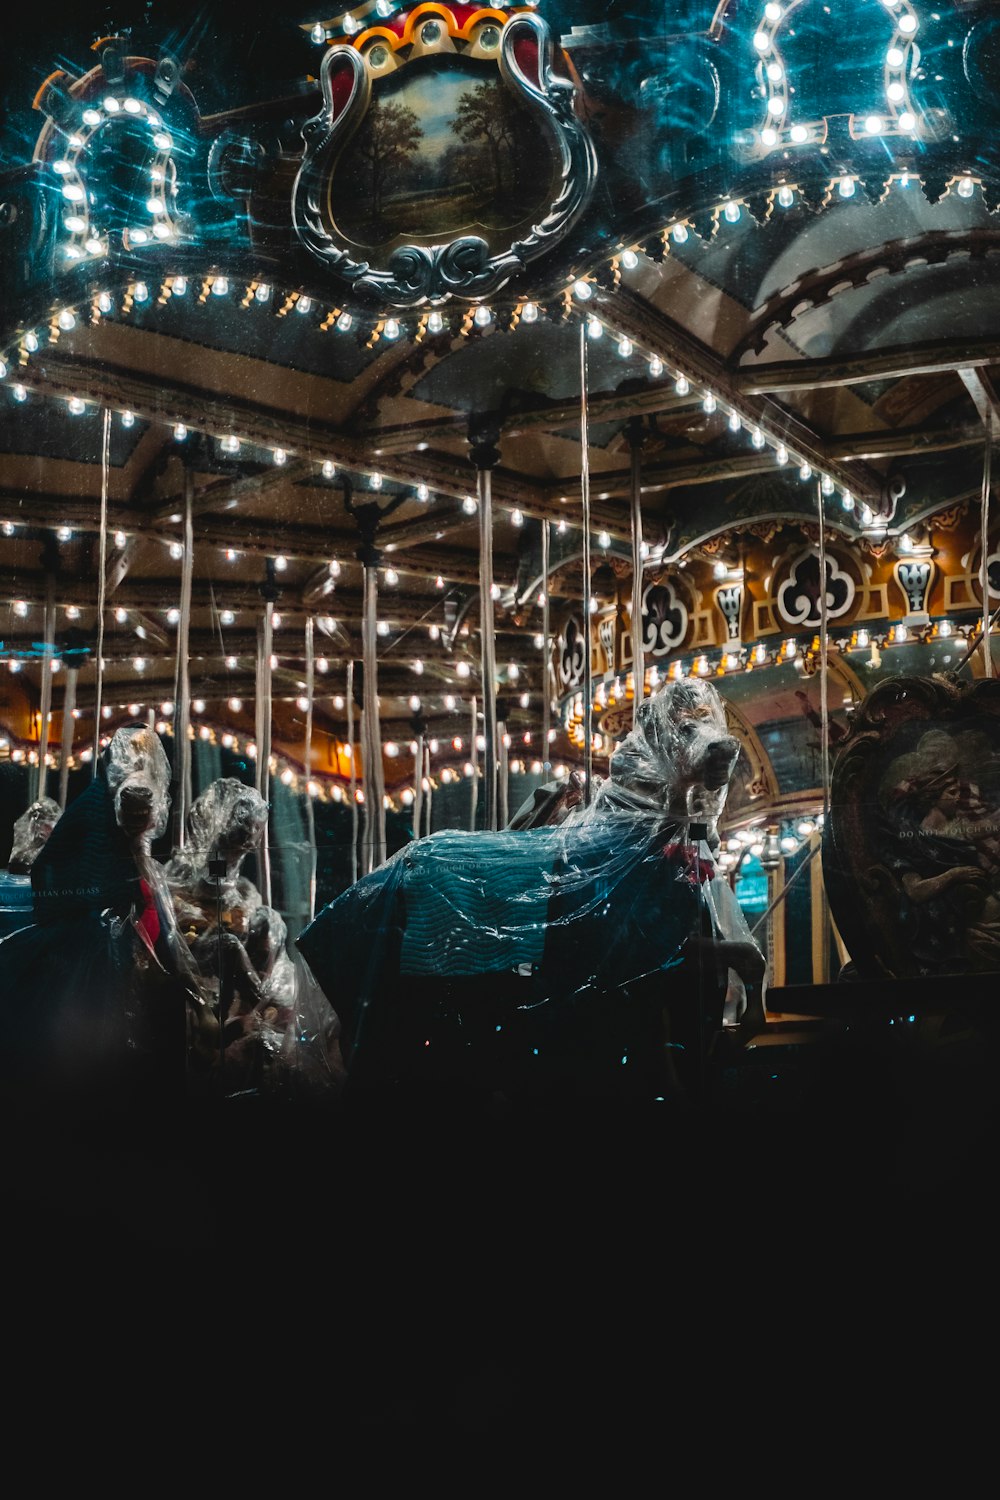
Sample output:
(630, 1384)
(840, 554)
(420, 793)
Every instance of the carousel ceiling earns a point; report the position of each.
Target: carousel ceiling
(258, 264)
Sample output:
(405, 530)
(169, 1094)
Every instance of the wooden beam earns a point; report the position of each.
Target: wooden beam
(889, 364)
(981, 385)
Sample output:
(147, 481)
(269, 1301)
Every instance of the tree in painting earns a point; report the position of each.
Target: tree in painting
(389, 138)
(489, 116)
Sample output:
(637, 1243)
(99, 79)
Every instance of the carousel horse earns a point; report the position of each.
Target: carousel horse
(31, 833)
(278, 1030)
(599, 951)
(94, 992)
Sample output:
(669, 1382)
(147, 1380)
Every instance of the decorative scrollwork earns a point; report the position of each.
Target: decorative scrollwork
(664, 619)
(798, 597)
(572, 654)
(462, 267)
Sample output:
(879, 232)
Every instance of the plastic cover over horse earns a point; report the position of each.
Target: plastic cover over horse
(554, 951)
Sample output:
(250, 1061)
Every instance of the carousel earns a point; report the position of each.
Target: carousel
(497, 560)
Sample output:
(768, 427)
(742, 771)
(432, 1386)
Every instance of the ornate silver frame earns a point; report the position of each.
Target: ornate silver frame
(462, 267)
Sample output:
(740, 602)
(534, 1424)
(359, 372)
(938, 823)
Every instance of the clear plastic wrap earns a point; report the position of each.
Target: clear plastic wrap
(602, 940)
(280, 1033)
(32, 831)
(93, 994)
(30, 834)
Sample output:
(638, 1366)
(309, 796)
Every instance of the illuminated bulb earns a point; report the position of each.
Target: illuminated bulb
(232, 662)
(318, 34)
(594, 328)
(629, 260)
(66, 319)
(304, 305)
(539, 642)
(20, 608)
(91, 117)
(561, 528)
(139, 662)
(74, 224)
(656, 367)
(757, 438)
(768, 136)
(731, 211)
(179, 286)
(19, 393)
(516, 518)
(719, 570)
(604, 540)
(760, 654)
(276, 621)
(625, 348)
(682, 385)
(945, 628)
(583, 290)
(791, 648)
(322, 665)
(8, 528)
(449, 702)
(435, 322)
(805, 471)
(775, 105)
(230, 444)
(799, 133)
(894, 57)
(847, 500)
(236, 704)
(862, 638)
(157, 206)
(785, 196)
(907, 24)
(761, 41)
(173, 616)
(495, 591)
(73, 192)
(338, 701)
(846, 187)
(180, 432)
(966, 187)
(262, 292)
(906, 542)
(139, 237)
(734, 421)
(873, 124)
(391, 329)
(72, 613)
(73, 252)
(162, 230)
(529, 312)
(482, 316)
(513, 671)
(334, 571)
(709, 402)
(469, 505)
(15, 666)
(433, 632)
(775, 72)
(391, 577)
(900, 633)
(439, 582)
(826, 485)
(77, 406)
(772, 11)
(121, 615)
(867, 515)
(781, 454)
(895, 92)
(907, 122)
(280, 456)
(462, 668)
(161, 140)
(176, 551)
(382, 628)
(64, 534)
(302, 703)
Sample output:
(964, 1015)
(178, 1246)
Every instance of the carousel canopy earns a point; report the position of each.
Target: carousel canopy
(281, 290)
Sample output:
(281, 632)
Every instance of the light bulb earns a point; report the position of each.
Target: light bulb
(529, 312)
